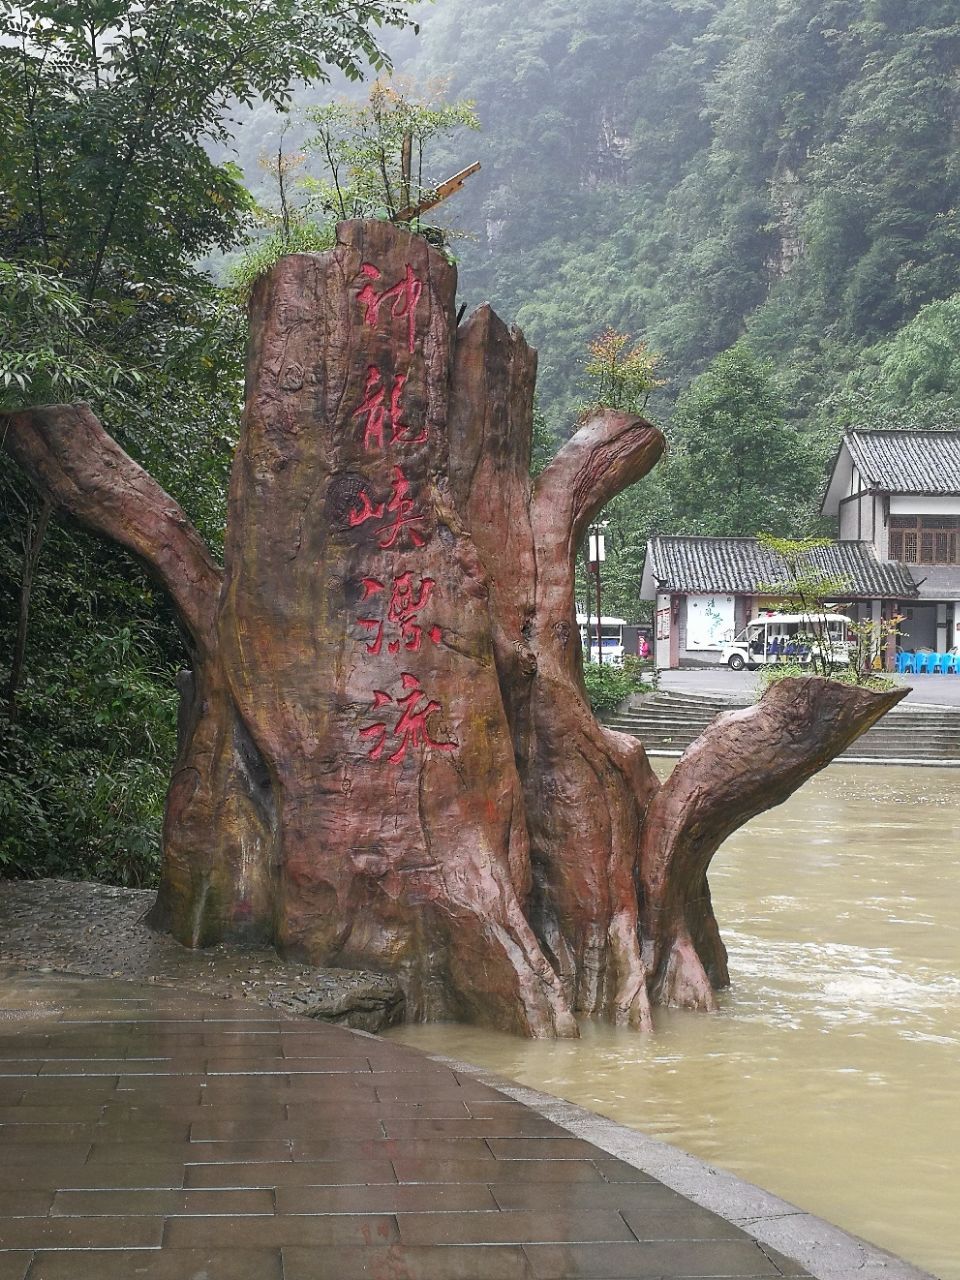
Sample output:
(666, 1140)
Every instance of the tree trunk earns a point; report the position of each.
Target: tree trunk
(387, 757)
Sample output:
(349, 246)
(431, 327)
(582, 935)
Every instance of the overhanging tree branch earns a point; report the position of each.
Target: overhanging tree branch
(72, 460)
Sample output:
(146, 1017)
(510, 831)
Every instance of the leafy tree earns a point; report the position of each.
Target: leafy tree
(110, 113)
(620, 376)
(736, 464)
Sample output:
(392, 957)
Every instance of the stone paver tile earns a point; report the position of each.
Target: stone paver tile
(32, 1132)
(90, 1068)
(82, 1233)
(679, 1220)
(163, 1176)
(433, 1171)
(643, 1261)
(24, 1204)
(217, 1066)
(531, 1193)
(438, 1108)
(541, 1148)
(146, 1153)
(80, 1112)
(511, 1227)
(304, 1173)
(171, 1204)
(142, 1111)
(51, 1092)
(299, 1088)
(385, 1064)
(526, 1125)
(185, 1089)
(388, 1149)
(160, 1264)
(618, 1171)
(56, 1155)
(503, 1262)
(14, 1264)
(386, 1198)
(277, 1232)
(256, 1128)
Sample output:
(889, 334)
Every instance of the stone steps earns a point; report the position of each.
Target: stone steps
(667, 723)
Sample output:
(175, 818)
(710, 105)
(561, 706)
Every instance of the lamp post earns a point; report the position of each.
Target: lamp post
(596, 553)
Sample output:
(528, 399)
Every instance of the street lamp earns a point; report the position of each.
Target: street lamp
(596, 554)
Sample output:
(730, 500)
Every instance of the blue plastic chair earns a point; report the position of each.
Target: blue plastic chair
(925, 663)
(952, 666)
(906, 662)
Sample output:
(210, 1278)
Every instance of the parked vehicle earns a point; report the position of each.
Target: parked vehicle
(611, 636)
(789, 637)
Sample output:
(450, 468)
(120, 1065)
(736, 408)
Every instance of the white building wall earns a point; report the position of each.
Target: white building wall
(910, 504)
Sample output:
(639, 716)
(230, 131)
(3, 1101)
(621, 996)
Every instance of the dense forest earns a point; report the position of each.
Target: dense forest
(764, 191)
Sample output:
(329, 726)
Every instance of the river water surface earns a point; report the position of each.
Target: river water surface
(831, 1075)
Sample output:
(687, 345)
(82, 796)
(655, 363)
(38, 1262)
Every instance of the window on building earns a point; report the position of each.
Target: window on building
(925, 539)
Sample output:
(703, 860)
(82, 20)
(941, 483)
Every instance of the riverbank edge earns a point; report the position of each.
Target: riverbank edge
(825, 1251)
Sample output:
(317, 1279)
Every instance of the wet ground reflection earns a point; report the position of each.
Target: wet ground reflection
(832, 1073)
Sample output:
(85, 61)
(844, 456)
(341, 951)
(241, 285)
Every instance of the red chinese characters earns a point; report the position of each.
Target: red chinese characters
(410, 729)
(394, 612)
(407, 520)
(406, 601)
(377, 415)
(404, 296)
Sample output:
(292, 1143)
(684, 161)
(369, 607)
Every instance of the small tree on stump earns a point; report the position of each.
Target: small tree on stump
(387, 756)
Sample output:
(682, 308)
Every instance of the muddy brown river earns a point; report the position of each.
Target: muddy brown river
(831, 1075)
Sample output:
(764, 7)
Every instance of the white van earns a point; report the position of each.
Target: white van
(789, 637)
(611, 633)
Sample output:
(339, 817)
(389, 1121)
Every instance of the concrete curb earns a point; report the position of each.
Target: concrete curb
(901, 760)
(823, 1250)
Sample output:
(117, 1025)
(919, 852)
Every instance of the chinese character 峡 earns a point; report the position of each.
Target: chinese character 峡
(411, 728)
(404, 295)
(401, 506)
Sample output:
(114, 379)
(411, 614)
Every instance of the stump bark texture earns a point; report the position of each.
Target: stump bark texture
(387, 755)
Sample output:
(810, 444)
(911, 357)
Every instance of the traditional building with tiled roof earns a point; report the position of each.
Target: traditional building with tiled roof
(896, 498)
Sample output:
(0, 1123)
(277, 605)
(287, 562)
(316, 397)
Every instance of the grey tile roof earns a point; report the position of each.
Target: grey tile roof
(741, 565)
(907, 461)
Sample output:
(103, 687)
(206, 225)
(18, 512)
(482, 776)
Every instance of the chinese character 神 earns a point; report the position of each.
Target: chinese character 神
(411, 728)
(374, 408)
(401, 506)
(405, 295)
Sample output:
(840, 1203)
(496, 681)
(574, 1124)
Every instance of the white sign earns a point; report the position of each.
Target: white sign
(710, 621)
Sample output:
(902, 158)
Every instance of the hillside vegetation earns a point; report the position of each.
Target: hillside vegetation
(765, 191)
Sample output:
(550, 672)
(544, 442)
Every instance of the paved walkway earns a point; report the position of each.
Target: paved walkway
(721, 682)
(153, 1133)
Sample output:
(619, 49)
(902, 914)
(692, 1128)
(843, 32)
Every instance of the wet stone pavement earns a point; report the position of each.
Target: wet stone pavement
(98, 930)
(150, 1132)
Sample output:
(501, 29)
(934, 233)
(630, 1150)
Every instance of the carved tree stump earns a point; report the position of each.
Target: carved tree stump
(387, 755)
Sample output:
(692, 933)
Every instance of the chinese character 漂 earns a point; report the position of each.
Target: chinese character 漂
(405, 603)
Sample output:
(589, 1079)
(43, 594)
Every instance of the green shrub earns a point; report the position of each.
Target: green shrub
(607, 685)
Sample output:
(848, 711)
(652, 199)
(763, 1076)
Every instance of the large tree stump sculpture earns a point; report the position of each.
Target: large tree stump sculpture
(387, 755)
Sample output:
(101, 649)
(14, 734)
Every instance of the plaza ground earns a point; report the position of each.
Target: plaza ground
(721, 682)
